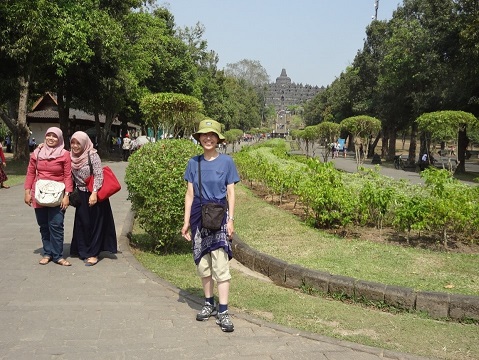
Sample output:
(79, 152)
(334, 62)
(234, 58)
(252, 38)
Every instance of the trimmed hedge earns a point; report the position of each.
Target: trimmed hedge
(154, 178)
(333, 198)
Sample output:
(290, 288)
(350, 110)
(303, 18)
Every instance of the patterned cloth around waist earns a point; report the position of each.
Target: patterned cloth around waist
(205, 240)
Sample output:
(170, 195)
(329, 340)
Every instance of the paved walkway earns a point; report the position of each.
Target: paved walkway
(119, 310)
(349, 164)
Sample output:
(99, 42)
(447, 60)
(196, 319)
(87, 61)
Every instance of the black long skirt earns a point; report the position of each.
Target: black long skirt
(93, 229)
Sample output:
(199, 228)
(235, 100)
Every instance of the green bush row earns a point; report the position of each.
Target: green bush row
(332, 198)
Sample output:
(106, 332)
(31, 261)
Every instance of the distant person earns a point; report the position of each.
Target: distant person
(32, 144)
(3, 175)
(126, 147)
(425, 161)
(8, 142)
(345, 150)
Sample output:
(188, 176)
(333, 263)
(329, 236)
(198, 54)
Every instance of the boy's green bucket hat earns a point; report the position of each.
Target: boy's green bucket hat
(207, 126)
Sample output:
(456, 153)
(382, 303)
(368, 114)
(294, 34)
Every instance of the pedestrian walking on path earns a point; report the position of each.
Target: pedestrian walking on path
(3, 164)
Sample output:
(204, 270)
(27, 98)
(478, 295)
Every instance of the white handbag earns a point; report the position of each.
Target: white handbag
(49, 193)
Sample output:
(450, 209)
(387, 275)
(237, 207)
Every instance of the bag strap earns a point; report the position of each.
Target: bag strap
(89, 164)
(199, 178)
(36, 168)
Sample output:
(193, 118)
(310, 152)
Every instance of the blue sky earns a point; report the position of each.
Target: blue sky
(314, 40)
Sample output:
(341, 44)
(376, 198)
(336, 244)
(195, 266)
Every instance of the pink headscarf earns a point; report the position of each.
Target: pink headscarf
(78, 161)
(47, 152)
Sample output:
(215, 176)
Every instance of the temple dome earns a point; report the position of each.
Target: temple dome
(283, 78)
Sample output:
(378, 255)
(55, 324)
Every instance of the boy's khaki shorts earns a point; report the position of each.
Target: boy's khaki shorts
(215, 264)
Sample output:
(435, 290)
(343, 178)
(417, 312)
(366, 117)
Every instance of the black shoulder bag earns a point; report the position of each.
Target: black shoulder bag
(75, 199)
(212, 214)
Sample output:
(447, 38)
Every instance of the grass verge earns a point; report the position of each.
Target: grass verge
(280, 234)
(15, 170)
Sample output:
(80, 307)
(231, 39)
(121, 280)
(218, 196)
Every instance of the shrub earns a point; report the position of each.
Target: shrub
(411, 212)
(326, 198)
(154, 178)
(376, 196)
(333, 199)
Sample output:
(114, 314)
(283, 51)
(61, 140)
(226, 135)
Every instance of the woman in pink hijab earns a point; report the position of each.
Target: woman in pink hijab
(50, 162)
(94, 227)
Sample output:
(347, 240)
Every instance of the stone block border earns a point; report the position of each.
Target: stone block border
(435, 304)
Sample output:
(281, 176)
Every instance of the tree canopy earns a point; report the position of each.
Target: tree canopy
(424, 59)
(105, 56)
(174, 112)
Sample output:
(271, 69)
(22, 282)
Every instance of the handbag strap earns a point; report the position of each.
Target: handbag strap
(36, 168)
(89, 164)
(199, 178)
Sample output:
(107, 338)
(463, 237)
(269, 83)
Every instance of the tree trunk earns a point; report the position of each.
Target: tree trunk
(392, 145)
(21, 151)
(413, 144)
(372, 145)
(8, 115)
(64, 116)
(101, 142)
(423, 148)
(384, 146)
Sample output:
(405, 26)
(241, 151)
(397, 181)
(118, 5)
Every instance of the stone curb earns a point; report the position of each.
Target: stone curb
(436, 304)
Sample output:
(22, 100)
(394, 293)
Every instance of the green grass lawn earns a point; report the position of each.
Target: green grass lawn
(15, 170)
(273, 231)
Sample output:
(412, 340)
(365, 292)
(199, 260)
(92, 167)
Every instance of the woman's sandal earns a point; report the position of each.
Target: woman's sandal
(5, 187)
(91, 261)
(63, 262)
(45, 260)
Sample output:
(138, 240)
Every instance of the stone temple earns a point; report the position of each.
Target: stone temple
(283, 94)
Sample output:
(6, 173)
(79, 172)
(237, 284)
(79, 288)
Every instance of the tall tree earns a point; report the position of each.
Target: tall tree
(243, 110)
(464, 89)
(361, 128)
(209, 84)
(26, 32)
(448, 125)
(175, 112)
(251, 71)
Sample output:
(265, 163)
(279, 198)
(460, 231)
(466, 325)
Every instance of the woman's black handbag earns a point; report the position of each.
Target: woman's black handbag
(212, 214)
(75, 199)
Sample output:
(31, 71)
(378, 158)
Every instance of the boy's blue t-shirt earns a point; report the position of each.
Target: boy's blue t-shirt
(215, 176)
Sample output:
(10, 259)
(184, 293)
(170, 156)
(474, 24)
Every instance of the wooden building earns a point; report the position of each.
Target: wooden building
(44, 114)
